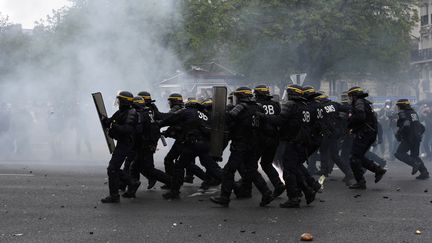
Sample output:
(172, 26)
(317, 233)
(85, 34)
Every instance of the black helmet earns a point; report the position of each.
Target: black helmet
(403, 104)
(294, 91)
(124, 98)
(175, 99)
(262, 90)
(357, 92)
(243, 93)
(138, 101)
(146, 96)
(193, 103)
(309, 92)
(322, 96)
(207, 103)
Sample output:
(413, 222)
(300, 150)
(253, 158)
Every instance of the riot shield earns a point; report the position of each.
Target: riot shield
(100, 108)
(218, 121)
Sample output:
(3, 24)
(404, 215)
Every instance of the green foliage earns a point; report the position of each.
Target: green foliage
(268, 40)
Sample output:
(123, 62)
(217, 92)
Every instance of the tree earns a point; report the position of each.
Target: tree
(268, 40)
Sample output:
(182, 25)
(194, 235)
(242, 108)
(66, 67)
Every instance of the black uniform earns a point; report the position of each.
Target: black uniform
(244, 141)
(146, 138)
(410, 135)
(363, 125)
(332, 130)
(175, 151)
(122, 127)
(195, 139)
(295, 129)
(268, 142)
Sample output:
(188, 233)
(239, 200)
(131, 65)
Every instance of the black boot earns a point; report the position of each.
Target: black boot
(266, 199)
(224, 201)
(358, 186)
(132, 189)
(317, 187)
(171, 195)
(310, 196)
(278, 191)
(291, 203)
(415, 168)
(188, 179)
(205, 185)
(242, 193)
(111, 199)
(151, 183)
(423, 176)
(165, 187)
(379, 174)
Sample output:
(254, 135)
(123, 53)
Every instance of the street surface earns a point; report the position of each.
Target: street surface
(59, 203)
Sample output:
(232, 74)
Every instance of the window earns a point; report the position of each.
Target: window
(424, 15)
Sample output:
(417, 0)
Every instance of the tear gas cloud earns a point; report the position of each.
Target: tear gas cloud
(93, 46)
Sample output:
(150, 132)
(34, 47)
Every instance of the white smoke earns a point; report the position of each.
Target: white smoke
(97, 45)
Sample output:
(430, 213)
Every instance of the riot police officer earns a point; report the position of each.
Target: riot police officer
(244, 141)
(409, 134)
(146, 137)
(268, 140)
(332, 131)
(195, 138)
(363, 125)
(176, 103)
(150, 103)
(295, 128)
(121, 128)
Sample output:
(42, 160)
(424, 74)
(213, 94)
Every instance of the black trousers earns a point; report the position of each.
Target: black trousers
(198, 149)
(266, 153)
(330, 155)
(115, 174)
(129, 159)
(294, 173)
(144, 164)
(172, 155)
(345, 148)
(413, 147)
(361, 145)
(242, 155)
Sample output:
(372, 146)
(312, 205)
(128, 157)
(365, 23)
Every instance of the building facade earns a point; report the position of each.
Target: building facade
(421, 58)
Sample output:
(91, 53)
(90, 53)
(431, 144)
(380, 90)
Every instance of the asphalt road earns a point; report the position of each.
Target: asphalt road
(45, 203)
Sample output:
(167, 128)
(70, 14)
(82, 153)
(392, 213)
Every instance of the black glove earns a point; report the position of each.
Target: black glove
(106, 122)
(114, 132)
